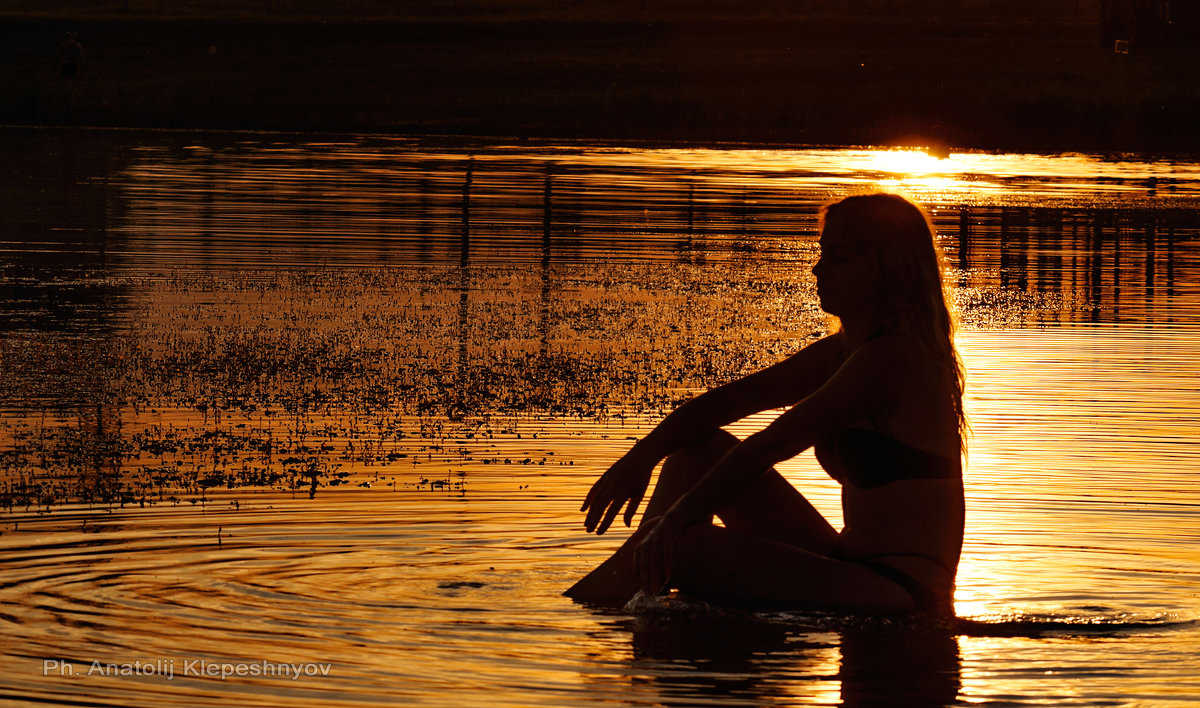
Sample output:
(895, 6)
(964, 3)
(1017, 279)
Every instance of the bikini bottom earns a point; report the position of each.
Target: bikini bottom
(923, 596)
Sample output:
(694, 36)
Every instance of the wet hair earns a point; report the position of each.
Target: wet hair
(909, 277)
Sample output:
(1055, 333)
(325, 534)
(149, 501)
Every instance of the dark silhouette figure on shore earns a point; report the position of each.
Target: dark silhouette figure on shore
(70, 57)
(880, 400)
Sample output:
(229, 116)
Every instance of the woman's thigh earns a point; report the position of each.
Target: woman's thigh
(770, 507)
(728, 565)
(773, 508)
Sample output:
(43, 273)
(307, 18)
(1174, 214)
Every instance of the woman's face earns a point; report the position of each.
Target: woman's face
(846, 274)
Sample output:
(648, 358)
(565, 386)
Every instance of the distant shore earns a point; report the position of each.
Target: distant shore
(1037, 86)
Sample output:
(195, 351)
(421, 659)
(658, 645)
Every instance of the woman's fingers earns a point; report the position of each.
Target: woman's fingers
(613, 510)
(603, 503)
(599, 493)
(593, 516)
(652, 570)
(591, 495)
(620, 484)
(634, 502)
(654, 557)
(641, 559)
(602, 512)
(666, 562)
(647, 571)
(597, 499)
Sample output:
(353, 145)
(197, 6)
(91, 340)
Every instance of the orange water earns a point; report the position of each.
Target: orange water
(509, 357)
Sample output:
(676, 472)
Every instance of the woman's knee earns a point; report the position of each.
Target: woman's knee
(692, 461)
(684, 467)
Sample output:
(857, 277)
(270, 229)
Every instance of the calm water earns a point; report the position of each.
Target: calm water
(330, 407)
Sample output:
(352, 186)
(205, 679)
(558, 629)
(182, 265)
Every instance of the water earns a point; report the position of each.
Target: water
(279, 404)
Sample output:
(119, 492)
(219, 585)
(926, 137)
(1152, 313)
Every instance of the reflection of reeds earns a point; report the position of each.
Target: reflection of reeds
(298, 380)
(301, 379)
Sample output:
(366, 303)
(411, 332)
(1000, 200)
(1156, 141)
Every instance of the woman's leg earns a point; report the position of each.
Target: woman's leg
(734, 567)
(770, 508)
(614, 581)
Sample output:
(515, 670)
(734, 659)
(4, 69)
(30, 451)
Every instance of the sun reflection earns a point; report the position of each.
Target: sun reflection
(920, 173)
(911, 163)
(980, 583)
(980, 678)
(824, 662)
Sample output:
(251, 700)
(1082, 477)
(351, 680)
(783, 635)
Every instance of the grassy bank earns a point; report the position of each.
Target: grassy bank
(965, 81)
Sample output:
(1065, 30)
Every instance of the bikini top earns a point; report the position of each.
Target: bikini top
(868, 458)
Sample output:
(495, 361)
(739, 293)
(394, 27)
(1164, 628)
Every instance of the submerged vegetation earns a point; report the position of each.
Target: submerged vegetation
(306, 379)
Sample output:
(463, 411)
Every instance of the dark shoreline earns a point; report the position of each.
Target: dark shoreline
(213, 138)
(1016, 86)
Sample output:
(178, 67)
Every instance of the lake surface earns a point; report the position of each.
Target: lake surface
(277, 404)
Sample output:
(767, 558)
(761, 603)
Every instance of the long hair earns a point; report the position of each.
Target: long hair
(911, 295)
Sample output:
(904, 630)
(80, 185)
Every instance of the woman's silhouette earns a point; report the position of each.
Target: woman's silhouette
(880, 400)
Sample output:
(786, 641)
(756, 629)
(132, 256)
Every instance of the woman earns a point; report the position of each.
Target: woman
(880, 400)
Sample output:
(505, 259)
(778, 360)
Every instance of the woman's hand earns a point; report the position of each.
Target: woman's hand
(625, 481)
(655, 554)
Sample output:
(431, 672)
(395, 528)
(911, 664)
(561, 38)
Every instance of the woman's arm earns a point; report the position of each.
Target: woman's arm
(776, 386)
(864, 385)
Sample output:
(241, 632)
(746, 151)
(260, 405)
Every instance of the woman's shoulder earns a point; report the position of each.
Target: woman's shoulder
(894, 348)
(889, 354)
(888, 351)
(825, 355)
(898, 361)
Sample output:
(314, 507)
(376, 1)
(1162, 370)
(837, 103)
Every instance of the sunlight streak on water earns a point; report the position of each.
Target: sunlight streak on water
(460, 339)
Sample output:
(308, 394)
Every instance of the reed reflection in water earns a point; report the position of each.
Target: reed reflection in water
(473, 333)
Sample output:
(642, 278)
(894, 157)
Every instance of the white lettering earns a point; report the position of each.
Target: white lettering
(190, 667)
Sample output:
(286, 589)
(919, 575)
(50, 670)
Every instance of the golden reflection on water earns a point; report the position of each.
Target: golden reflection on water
(1078, 456)
(519, 319)
(975, 178)
(364, 199)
